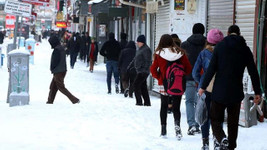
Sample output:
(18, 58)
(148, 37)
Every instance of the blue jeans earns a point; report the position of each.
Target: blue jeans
(205, 128)
(191, 98)
(112, 66)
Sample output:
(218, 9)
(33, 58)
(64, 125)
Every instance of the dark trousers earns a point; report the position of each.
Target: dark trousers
(127, 80)
(112, 66)
(176, 103)
(140, 89)
(205, 128)
(58, 84)
(73, 58)
(217, 118)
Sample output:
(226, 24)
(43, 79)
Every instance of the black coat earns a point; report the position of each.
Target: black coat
(193, 46)
(126, 56)
(58, 58)
(143, 60)
(123, 43)
(74, 45)
(230, 57)
(111, 49)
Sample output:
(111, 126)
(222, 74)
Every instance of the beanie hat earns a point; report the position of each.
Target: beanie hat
(141, 38)
(198, 28)
(215, 36)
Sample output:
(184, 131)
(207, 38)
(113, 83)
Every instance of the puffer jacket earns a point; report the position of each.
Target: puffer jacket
(159, 65)
(58, 58)
(193, 46)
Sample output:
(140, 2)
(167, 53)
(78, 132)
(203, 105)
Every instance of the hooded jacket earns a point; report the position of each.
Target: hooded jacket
(193, 46)
(159, 65)
(111, 49)
(143, 59)
(126, 56)
(229, 59)
(58, 58)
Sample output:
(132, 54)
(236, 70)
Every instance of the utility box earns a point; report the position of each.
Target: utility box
(19, 77)
(30, 46)
(248, 114)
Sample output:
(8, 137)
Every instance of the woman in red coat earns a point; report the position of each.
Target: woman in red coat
(167, 51)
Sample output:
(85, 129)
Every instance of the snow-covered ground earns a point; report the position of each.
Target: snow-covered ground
(99, 122)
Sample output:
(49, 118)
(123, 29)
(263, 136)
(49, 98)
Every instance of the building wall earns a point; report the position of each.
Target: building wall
(182, 21)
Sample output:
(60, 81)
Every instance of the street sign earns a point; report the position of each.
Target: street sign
(10, 21)
(18, 8)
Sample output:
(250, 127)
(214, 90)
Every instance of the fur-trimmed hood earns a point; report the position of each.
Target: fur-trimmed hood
(167, 54)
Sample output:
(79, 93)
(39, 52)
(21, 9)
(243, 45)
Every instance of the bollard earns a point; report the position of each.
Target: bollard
(248, 115)
(19, 77)
(30, 46)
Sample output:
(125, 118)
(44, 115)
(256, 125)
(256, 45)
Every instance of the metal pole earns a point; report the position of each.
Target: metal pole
(20, 31)
(261, 34)
(15, 32)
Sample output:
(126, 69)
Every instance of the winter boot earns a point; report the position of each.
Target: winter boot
(216, 144)
(126, 92)
(224, 144)
(191, 130)
(205, 144)
(163, 131)
(178, 132)
(117, 89)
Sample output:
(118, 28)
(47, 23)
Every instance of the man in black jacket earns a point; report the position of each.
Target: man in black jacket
(142, 63)
(58, 68)
(111, 50)
(74, 46)
(127, 77)
(192, 46)
(230, 57)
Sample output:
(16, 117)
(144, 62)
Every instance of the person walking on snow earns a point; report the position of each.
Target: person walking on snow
(58, 68)
(230, 58)
(192, 46)
(167, 51)
(142, 64)
(127, 77)
(93, 52)
(111, 50)
(202, 63)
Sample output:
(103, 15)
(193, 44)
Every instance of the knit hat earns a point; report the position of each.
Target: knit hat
(141, 38)
(198, 28)
(215, 36)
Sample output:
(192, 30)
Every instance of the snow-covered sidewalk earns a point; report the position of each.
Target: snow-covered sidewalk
(99, 122)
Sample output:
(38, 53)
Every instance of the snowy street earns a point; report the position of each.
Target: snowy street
(99, 122)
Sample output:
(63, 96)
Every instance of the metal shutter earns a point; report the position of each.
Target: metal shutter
(220, 15)
(162, 27)
(245, 15)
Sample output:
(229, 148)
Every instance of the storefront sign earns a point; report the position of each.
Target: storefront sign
(61, 24)
(179, 4)
(38, 2)
(18, 8)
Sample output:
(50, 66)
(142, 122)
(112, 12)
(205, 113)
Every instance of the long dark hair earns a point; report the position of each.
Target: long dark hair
(166, 41)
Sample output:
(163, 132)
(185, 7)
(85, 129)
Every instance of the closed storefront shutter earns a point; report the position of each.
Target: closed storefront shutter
(245, 15)
(220, 15)
(162, 27)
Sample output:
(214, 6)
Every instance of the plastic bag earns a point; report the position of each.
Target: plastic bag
(201, 113)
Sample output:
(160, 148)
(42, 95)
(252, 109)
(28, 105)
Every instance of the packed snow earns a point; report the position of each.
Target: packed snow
(99, 122)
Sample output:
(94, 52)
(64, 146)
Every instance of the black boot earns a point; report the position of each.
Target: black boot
(163, 131)
(205, 144)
